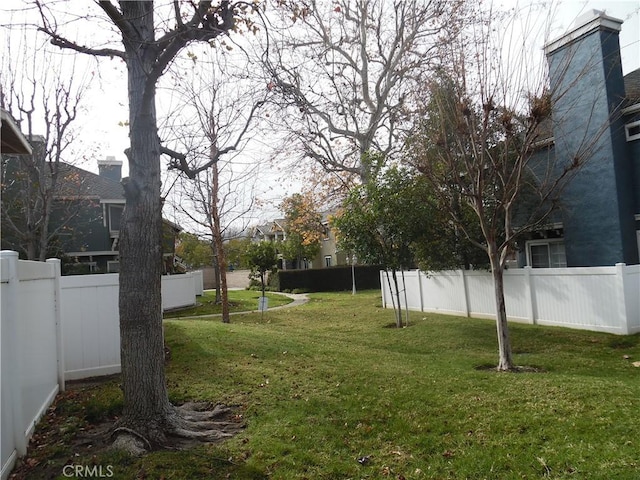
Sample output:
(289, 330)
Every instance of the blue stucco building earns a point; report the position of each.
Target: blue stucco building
(595, 115)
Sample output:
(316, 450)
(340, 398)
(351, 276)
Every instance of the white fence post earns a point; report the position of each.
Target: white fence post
(530, 295)
(623, 314)
(382, 287)
(198, 279)
(419, 275)
(59, 341)
(12, 371)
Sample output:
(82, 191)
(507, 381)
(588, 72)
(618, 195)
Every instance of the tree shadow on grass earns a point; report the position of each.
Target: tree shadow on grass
(394, 326)
(491, 367)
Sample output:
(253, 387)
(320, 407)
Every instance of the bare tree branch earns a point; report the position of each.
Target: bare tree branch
(349, 72)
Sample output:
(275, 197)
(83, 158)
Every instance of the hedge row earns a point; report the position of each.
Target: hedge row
(332, 279)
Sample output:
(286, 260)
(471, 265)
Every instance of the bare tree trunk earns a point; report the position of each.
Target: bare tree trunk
(142, 347)
(216, 271)
(504, 343)
(31, 246)
(34, 209)
(149, 420)
(43, 240)
(399, 311)
(217, 239)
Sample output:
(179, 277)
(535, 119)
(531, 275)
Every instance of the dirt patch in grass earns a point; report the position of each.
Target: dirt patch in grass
(624, 342)
(395, 327)
(490, 367)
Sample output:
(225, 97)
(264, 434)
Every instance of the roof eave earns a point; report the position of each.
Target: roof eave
(13, 141)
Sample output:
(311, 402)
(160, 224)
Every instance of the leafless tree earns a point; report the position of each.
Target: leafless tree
(38, 94)
(194, 199)
(218, 115)
(344, 71)
(147, 37)
(482, 141)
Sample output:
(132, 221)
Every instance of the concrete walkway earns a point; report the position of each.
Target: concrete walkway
(298, 299)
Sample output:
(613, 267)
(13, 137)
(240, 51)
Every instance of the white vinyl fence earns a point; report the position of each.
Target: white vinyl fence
(90, 320)
(605, 299)
(30, 338)
(54, 329)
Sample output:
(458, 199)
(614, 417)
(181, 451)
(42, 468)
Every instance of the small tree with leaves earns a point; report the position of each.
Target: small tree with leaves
(235, 250)
(193, 250)
(303, 228)
(387, 219)
(263, 258)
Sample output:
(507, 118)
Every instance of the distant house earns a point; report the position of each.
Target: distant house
(87, 213)
(328, 256)
(98, 243)
(273, 231)
(598, 223)
(93, 236)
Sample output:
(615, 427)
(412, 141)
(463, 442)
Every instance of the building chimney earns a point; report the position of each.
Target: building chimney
(587, 24)
(110, 168)
(587, 91)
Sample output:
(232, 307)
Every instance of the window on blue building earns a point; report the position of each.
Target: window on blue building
(546, 254)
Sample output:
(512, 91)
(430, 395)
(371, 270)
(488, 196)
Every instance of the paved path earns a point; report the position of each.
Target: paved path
(298, 299)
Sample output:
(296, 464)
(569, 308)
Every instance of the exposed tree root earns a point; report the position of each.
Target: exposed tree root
(130, 441)
(181, 428)
(124, 431)
(202, 411)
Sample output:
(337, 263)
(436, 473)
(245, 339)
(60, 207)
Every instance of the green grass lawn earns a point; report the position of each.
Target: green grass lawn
(239, 301)
(328, 383)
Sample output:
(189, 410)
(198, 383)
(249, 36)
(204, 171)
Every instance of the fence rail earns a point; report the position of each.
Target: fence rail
(54, 329)
(605, 299)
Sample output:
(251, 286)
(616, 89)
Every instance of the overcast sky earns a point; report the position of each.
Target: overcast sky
(107, 107)
(627, 10)
(107, 103)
